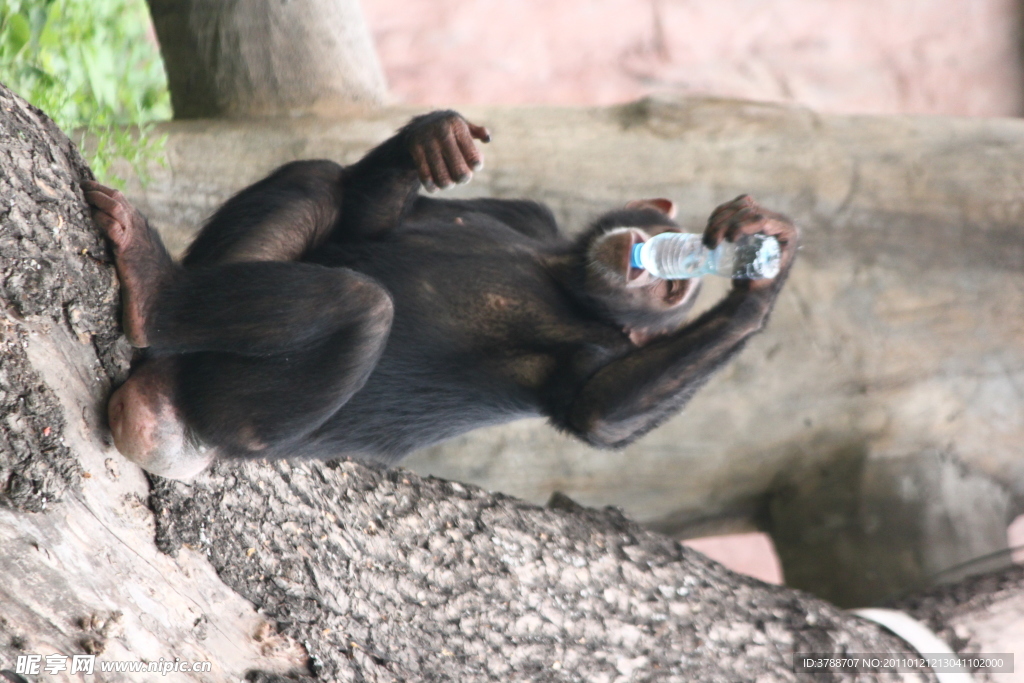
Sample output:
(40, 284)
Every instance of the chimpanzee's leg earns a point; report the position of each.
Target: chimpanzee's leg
(143, 264)
(281, 348)
(267, 350)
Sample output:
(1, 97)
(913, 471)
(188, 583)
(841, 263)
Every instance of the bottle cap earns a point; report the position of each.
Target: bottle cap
(634, 256)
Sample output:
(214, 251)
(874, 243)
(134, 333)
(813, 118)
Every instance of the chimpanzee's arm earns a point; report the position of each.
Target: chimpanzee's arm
(633, 394)
(300, 205)
(435, 150)
(276, 219)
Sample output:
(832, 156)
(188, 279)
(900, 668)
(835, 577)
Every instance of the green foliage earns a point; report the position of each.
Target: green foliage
(90, 65)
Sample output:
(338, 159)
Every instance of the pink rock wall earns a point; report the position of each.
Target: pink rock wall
(959, 57)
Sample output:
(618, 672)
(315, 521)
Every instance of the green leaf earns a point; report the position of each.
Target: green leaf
(92, 65)
(17, 32)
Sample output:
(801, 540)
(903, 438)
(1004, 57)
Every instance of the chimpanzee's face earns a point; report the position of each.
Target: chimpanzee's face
(644, 305)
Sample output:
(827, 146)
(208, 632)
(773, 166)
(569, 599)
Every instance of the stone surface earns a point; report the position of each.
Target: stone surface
(859, 530)
(840, 56)
(899, 334)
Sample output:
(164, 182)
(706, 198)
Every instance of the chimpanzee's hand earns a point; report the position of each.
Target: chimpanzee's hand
(744, 216)
(442, 148)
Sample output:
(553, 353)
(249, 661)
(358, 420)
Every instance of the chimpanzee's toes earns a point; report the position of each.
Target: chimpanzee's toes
(112, 213)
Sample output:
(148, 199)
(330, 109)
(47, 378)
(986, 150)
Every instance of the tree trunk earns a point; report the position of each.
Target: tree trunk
(336, 571)
(245, 58)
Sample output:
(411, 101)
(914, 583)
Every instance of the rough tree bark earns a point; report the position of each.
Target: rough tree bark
(244, 58)
(335, 571)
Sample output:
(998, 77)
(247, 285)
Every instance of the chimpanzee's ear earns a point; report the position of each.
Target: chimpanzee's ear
(666, 206)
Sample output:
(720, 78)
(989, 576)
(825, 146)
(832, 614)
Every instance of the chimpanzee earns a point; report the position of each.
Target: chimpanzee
(331, 311)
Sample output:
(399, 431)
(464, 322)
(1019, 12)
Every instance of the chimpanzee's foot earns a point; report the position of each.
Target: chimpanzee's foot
(148, 429)
(143, 265)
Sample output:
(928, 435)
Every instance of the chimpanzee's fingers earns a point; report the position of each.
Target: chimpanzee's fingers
(93, 186)
(438, 167)
(718, 224)
(713, 236)
(422, 167)
(472, 156)
(722, 218)
(746, 221)
(107, 222)
(110, 219)
(731, 207)
(458, 169)
(111, 212)
(714, 233)
(479, 132)
(759, 223)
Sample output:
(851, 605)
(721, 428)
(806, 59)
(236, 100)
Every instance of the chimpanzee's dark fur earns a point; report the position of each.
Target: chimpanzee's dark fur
(279, 311)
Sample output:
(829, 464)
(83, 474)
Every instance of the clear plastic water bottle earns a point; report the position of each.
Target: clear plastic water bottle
(680, 255)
